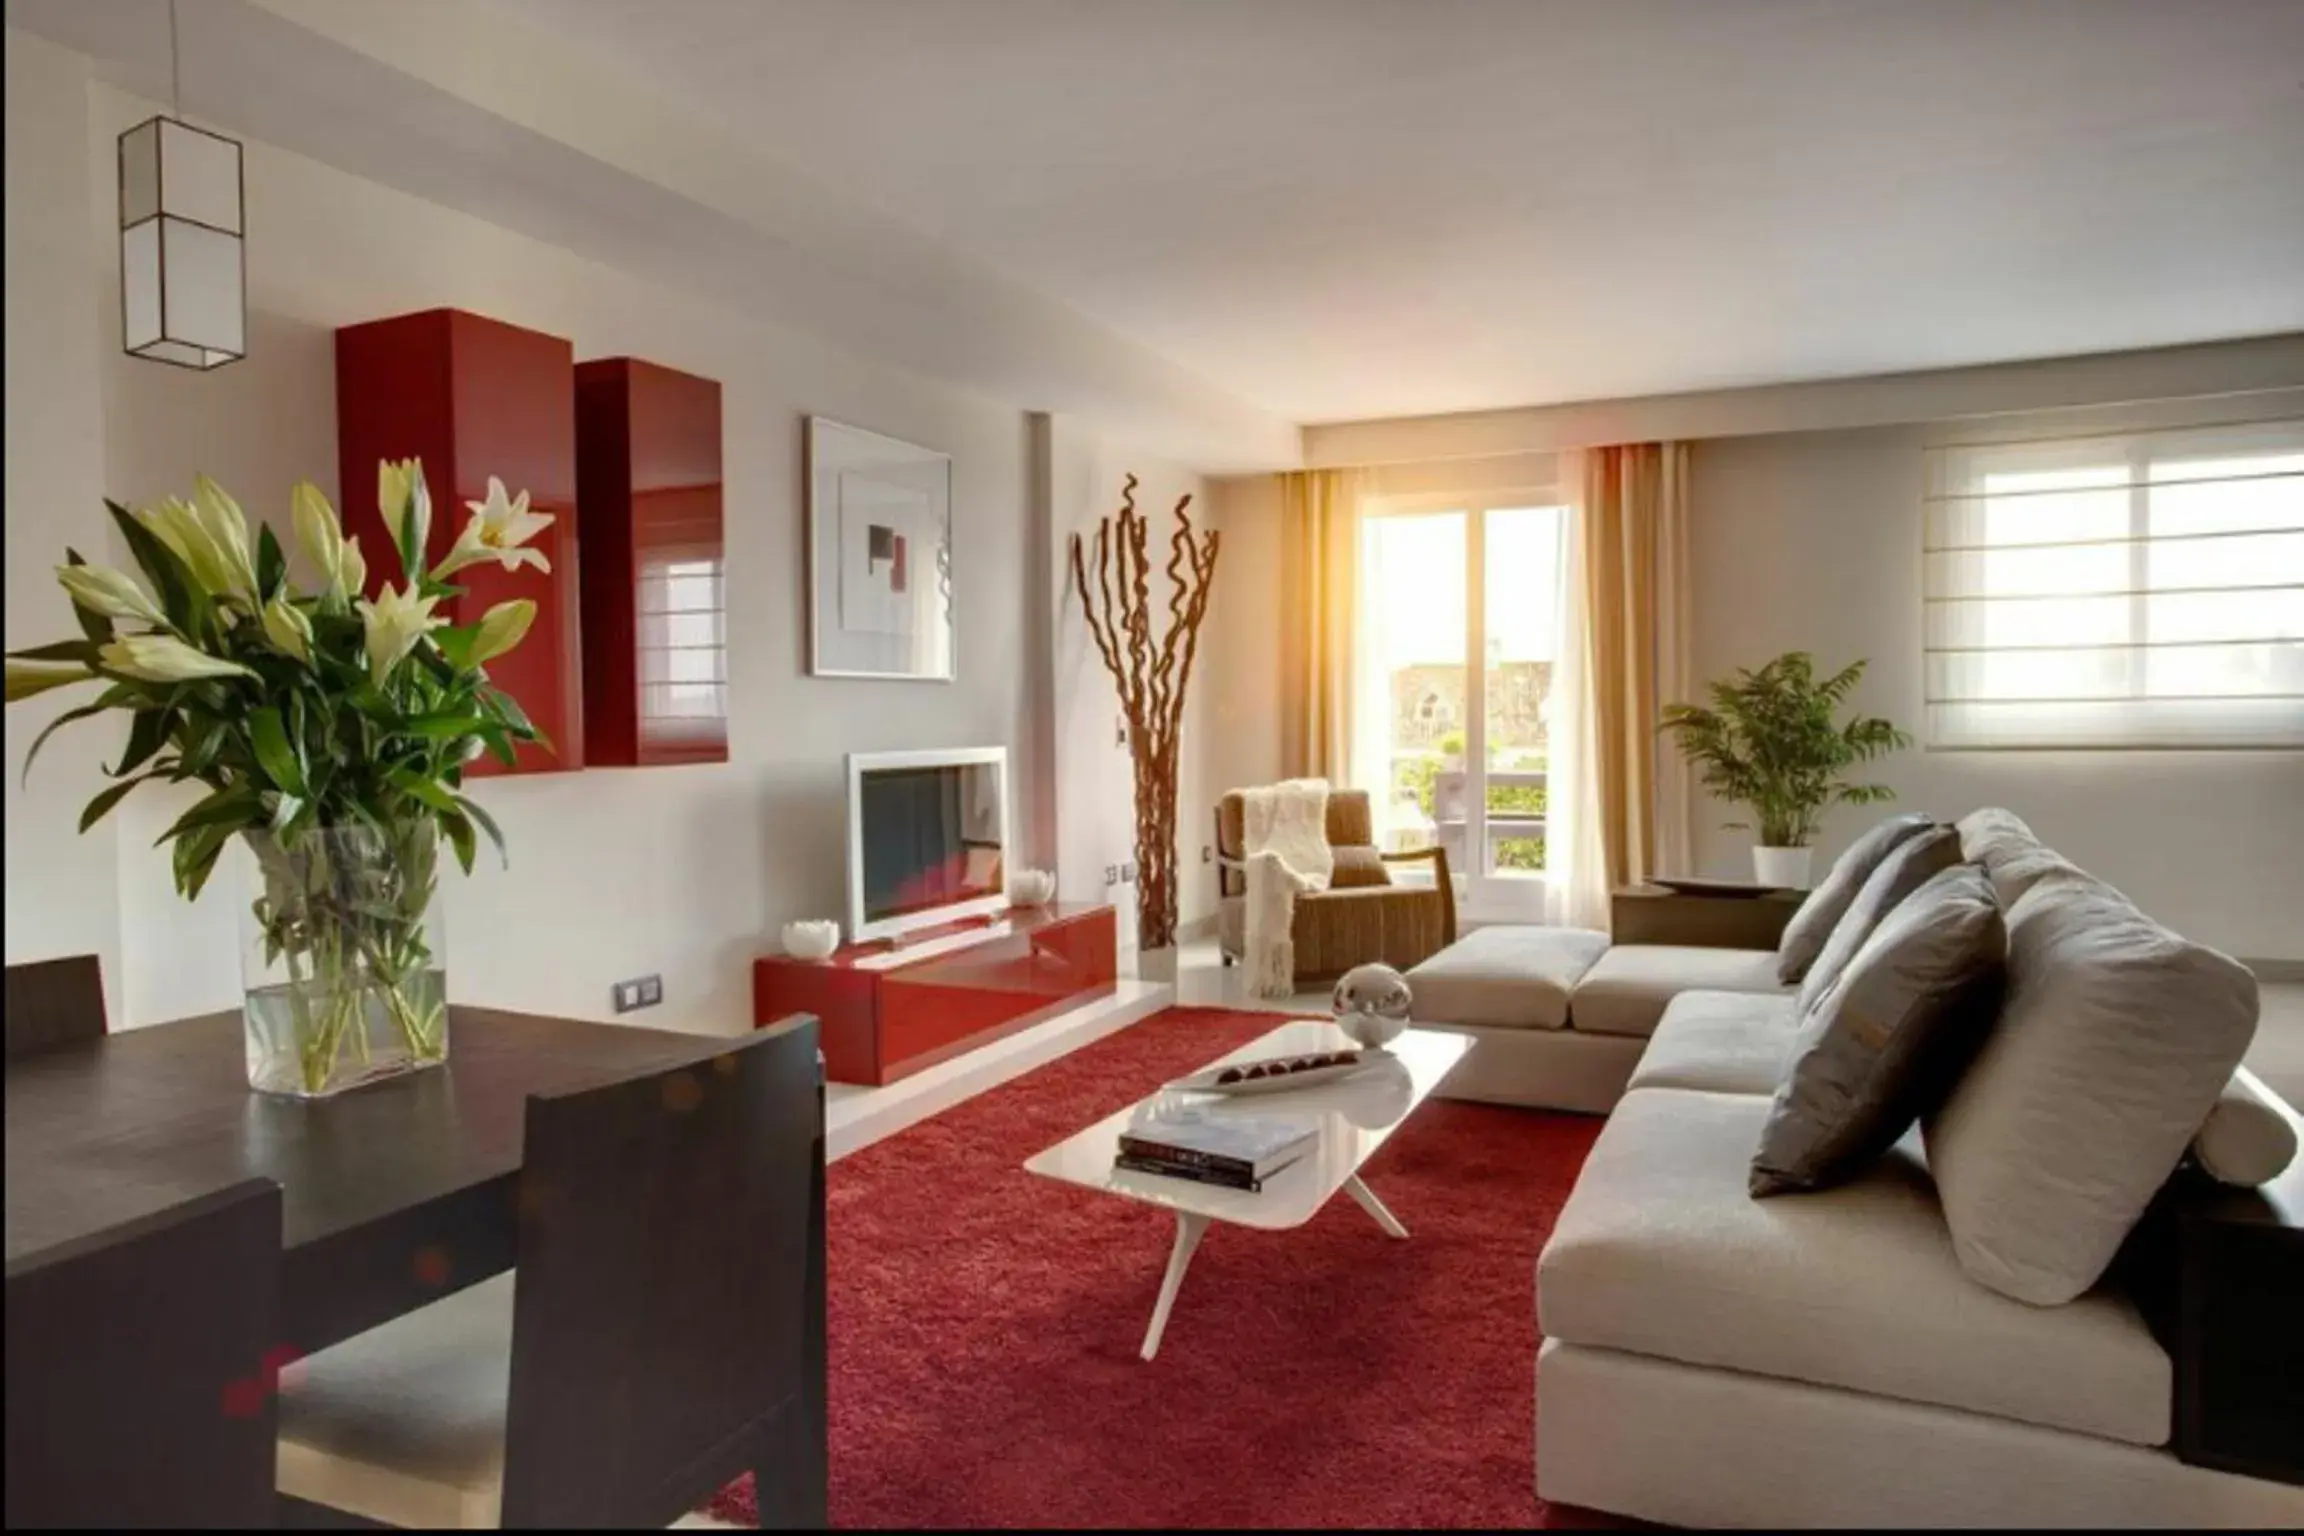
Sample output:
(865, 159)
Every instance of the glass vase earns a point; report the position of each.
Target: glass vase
(341, 958)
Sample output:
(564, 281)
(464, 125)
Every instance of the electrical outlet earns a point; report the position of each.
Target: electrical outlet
(639, 992)
(1207, 854)
(1111, 874)
(1120, 731)
(1127, 871)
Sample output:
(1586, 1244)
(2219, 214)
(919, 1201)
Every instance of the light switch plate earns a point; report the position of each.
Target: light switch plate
(639, 992)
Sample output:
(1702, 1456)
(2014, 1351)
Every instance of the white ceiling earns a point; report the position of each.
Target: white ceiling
(1350, 208)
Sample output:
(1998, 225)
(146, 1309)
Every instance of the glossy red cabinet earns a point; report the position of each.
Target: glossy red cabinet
(474, 397)
(648, 493)
(883, 1018)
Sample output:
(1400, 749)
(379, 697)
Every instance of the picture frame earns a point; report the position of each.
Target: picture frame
(879, 556)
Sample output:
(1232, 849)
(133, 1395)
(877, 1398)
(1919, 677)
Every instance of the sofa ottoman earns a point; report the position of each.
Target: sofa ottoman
(1627, 989)
(1506, 977)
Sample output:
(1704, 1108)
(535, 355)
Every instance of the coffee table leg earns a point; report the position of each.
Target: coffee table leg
(1374, 1207)
(1189, 1226)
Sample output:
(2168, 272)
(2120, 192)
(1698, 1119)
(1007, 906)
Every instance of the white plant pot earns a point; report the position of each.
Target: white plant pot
(1156, 964)
(1785, 869)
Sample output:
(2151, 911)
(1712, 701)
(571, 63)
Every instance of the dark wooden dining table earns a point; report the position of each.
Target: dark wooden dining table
(392, 1195)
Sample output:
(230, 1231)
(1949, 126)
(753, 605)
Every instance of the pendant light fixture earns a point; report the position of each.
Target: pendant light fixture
(183, 273)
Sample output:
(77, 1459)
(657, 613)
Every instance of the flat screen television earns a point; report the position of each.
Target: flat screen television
(928, 838)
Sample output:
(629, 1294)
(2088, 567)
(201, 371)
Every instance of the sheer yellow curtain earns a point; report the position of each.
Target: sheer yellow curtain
(1623, 798)
(1320, 558)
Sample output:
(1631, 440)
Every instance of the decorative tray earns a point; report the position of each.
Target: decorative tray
(1711, 887)
(1274, 1074)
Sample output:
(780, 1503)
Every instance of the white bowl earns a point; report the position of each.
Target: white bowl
(1031, 888)
(811, 939)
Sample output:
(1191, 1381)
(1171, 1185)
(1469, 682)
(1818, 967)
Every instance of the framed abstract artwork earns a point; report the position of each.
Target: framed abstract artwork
(879, 556)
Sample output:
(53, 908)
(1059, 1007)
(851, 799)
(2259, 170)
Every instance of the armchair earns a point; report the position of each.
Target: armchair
(1361, 917)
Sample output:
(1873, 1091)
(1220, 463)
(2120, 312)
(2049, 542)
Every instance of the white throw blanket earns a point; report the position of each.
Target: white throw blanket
(1284, 834)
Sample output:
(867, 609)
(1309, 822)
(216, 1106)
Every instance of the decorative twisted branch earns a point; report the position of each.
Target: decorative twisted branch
(1150, 675)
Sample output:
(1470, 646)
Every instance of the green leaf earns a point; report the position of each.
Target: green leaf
(194, 858)
(103, 803)
(111, 698)
(500, 745)
(417, 787)
(455, 643)
(507, 709)
(148, 731)
(286, 811)
(442, 727)
(269, 735)
(271, 564)
(460, 837)
(81, 651)
(487, 824)
(233, 806)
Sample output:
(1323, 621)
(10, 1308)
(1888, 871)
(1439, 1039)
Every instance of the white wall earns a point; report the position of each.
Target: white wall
(1240, 655)
(62, 888)
(1812, 542)
(685, 871)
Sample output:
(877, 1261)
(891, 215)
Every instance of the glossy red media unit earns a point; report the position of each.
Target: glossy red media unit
(884, 1017)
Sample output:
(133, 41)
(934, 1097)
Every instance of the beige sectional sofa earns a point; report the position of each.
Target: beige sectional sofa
(1819, 1359)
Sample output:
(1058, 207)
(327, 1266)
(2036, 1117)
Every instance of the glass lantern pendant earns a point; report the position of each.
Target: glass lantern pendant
(183, 284)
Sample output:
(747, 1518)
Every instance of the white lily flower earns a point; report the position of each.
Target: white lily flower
(113, 594)
(400, 486)
(499, 530)
(353, 568)
(320, 536)
(227, 527)
(26, 678)
(288, 629)
(165, 659)
(502, 628)
(175, 524)
(396, 621)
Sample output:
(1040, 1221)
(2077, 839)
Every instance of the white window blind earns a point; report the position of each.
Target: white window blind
(2124, 591)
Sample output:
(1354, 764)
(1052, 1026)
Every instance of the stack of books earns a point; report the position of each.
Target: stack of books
(1235, 1151)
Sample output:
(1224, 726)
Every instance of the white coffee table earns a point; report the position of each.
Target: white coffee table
(1354, 1116)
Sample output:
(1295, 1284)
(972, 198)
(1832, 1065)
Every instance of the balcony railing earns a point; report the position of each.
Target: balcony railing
(1452, 814)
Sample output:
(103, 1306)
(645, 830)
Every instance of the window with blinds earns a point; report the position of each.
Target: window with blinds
(2144, 590)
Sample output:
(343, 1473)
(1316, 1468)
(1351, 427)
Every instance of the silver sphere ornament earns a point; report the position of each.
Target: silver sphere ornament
(1371, 1004)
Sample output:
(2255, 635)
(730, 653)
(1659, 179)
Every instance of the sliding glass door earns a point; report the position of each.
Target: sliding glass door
(1459, 625)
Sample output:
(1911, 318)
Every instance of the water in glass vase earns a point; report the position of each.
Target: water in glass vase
(341, 959)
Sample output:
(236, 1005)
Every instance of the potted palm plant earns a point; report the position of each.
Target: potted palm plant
(1769, 740)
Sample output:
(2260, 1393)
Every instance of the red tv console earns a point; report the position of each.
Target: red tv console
(885, 1017)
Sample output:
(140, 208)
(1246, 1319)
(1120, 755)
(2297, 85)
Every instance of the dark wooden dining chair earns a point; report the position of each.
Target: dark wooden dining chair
(137, 1361)
(54, 1002)
(655, 1340)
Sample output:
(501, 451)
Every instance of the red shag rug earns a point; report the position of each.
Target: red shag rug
(985, 1322)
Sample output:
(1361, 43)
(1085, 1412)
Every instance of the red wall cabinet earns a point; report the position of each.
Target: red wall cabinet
(648, 492)
(474, 397)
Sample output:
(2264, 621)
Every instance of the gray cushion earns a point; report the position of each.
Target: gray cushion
(1811, 926)
(2116, 1038)
(1628, 988)
(1658, 1252)
(1888, 1037)
(2250, 1137)
(2010, 854)
(1505, 976)
(1721, 1042)
(1909, 865)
